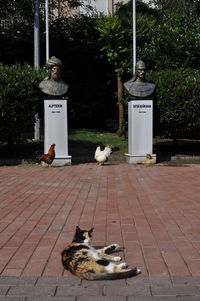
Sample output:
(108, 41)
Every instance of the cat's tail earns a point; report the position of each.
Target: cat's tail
(126, 273)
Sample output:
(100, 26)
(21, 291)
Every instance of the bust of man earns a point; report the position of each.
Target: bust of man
(138, 87)
(52, 84)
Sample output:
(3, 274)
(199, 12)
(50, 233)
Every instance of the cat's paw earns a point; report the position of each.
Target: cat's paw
(111, 248)
(115, 247)
(117, 258)
(123, 265)
(138, 271)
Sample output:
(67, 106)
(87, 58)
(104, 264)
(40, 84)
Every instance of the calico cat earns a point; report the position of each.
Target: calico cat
(89, 263)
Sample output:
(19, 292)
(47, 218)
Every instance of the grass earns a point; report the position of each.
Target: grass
(83, 143)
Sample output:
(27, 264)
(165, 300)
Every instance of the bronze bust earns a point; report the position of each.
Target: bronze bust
(52, 84)
(138, 87)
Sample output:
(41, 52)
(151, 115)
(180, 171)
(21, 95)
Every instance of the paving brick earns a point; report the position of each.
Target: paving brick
(160, 281)
(12, 298)
(68, 281)
(153, 213)
(6, 253)
(53, 267)
(17, 280)
(176, 290)
(83, 298)
(79, 291)
(194, 267)
(186, 280)
(3, 290)
(139, 280)
(11, 272)
(160, 298)
(50, 299)
(136, 290)
(31, 291)
(118, 282)
(151, 298)
(188, 298)
(34, 267)
(156, 267)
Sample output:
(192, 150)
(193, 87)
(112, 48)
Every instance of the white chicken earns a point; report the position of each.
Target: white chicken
(101, 156)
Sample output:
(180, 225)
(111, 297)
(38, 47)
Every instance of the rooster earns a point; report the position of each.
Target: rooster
(101, 156)
(49, 157)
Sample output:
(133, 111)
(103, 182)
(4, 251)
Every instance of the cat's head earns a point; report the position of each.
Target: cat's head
(82, 236)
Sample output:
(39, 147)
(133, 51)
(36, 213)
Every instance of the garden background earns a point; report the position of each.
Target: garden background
(96, 51)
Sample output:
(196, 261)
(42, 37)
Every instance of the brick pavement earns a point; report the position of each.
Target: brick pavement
(153, 212)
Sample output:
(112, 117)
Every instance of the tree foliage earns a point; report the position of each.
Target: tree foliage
(173, 42)
(18, 10)
(113, 41)
(114, 44)
(182, 7)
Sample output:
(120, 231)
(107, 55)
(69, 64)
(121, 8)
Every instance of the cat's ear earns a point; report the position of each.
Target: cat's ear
(91, 230)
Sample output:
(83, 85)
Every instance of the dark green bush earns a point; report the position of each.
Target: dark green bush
(178, 95)
(19, 99)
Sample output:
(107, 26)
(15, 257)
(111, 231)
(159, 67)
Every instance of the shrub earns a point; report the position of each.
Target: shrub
(19, 99)
(178, 93)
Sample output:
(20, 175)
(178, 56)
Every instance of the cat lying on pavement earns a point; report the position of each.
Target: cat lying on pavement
(89, 263)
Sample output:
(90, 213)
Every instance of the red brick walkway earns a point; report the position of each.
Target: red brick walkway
(151, 211)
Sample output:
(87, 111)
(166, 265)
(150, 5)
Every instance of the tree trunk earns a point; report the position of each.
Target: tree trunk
(121, 130)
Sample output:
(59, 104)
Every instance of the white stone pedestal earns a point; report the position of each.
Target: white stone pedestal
(140, 131)
(56, 130)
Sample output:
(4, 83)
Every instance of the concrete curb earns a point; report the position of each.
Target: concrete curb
(139, 288)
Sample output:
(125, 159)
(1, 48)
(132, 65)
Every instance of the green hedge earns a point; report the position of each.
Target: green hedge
(177, 95)
(19, 99)
(178, 102)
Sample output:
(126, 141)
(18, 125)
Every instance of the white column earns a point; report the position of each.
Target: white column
(107, 9)
(36, 34)
(37, 58)
(47, 28)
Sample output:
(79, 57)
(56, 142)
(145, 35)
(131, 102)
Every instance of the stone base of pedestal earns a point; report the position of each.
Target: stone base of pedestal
(60, 161)
(138, 159)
